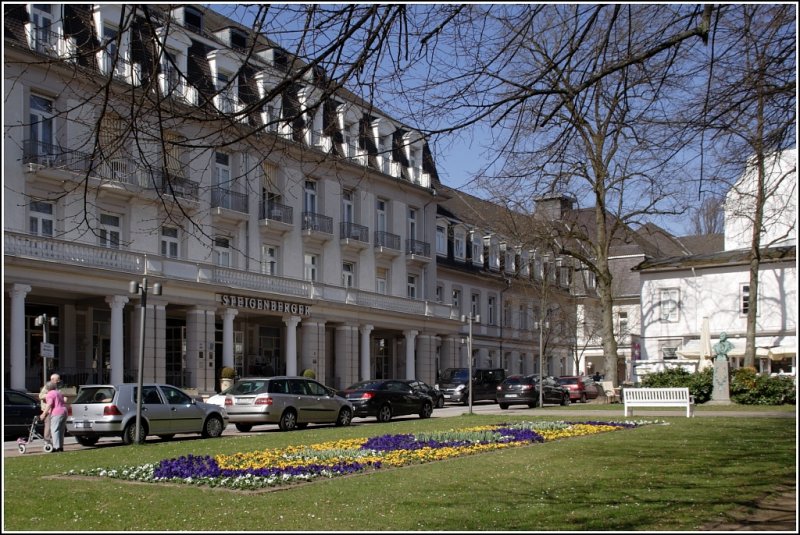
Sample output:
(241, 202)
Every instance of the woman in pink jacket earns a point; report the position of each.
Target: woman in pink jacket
(57, 410)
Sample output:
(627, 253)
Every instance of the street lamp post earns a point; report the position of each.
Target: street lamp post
(135, 288)
(541, 326)
(469, 319)
(44, 350)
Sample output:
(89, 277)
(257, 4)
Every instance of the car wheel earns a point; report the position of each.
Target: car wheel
(243, 428)
(288, 420)
(166, 437)
(440, 402)
(427, 410)
(466, 399)
(384, 413)
(213, 427)
(87, 441)
(129, 435)
(565, 400)
(345, 417)
(504, 406)
(583, 398)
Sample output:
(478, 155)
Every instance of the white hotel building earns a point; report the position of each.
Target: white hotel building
(307, 246)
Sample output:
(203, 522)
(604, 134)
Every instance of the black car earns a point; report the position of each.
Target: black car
(436, 395)
(19, 408)
(524, 390)
(454, 384)
(384, 398)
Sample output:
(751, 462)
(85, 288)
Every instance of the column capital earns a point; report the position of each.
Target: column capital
(365, 329)
(410, 333)
(117, 301)
(19, 290)
(291, 321)
(230, 313)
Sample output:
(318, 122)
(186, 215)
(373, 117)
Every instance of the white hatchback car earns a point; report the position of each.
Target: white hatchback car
(110, 410)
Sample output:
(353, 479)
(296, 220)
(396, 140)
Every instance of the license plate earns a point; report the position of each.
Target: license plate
(447, 396)
(511, 395)
(82, 425)
(243, 402)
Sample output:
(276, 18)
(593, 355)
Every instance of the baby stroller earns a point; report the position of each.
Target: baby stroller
(33, 435)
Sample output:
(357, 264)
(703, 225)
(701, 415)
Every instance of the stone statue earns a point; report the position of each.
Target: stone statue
(723, 347)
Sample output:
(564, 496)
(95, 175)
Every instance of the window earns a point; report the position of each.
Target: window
(222, 251)
(744, 299)
(109, 231)
(669, 305)
(269, 259)
(477, 249)
(383, 147)
(623, 323)
(668, 347)
(439, 293)
(412, 223)
(347, 206)
(348, 275)
(169, 242)
(523, 318)
(457, 300)
(380, 216)
(441, 239)
(310, 197)
(475, 305)
(459, 240)
(41, 127)
(43, 38)
(110, 49)
(310, 267)
(40, 220)
(506, 313)
(169, 72)
(411, 287)
(225, 88)
(382, 281)
(193, 19)
(222, 170)
(492, 303)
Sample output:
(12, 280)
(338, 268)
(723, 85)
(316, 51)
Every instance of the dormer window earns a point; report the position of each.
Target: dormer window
(170, 73)
(42, 38)
(238, 40)
(193, 19)
(225, 98)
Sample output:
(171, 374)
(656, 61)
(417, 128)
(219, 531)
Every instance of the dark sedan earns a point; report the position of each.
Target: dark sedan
(436, 395)
(19, 408)
(524, 390)
(384, 398)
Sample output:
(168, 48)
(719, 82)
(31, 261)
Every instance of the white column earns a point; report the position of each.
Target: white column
(411, 337)
(291, 344)
(365, 331)
(17, 346)
(227, 336)
(117, 303)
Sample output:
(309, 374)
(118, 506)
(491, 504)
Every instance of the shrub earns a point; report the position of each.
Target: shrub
(228, 373)
(309, 373)
(699, 384)
(750, 388)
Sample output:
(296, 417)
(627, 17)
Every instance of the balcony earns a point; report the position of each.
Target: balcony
(353, 236)
(171, 182)
(418, 251)
(44, 41)
(274, 216)
(317, 228)
(228, 205)
(387, 245)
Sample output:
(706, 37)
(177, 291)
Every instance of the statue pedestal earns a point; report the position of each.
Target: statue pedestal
(720, 395)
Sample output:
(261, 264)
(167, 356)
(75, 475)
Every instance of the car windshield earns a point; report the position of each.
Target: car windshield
(249, 387)
(455, 374)
(366, 385)
(95, 394)
(568, 380)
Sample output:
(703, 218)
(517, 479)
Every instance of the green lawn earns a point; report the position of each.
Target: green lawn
(659, 477)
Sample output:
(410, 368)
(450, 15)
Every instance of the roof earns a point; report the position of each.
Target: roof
(723, 258)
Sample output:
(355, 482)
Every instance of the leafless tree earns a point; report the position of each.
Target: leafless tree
(708, 218)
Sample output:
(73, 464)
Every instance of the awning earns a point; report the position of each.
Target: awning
(690, 350)
(782, 351)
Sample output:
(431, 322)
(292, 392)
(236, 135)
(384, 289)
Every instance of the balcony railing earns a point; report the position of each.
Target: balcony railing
(172, 182)
(276, 212)
(45, 41)
(419, 248)
(231, 200)
(353, 231)
(387, 239)
(317, 222)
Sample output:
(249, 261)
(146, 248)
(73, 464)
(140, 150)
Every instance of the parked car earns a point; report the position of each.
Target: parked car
(290, 402)
(524, 390)
(219, 397)
(453, 384)
(385, 398)
(19, 409)
(581, 387)
(436, 395)
(110, 410)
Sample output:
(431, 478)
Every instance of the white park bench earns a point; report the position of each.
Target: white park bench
(658, 397)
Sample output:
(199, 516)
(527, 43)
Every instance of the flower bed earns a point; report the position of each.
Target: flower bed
(273, 467)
